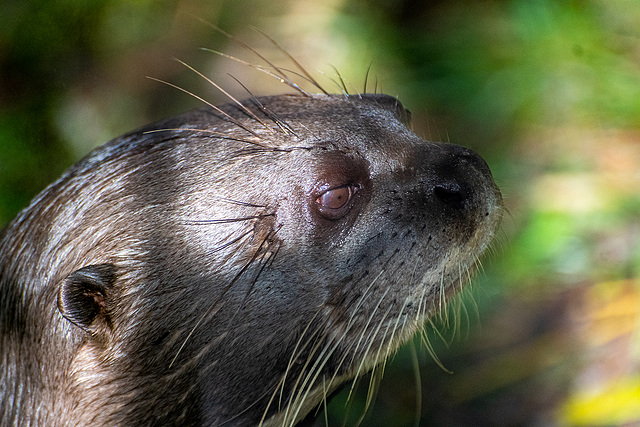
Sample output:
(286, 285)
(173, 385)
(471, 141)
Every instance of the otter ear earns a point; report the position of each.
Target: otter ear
(84, 296)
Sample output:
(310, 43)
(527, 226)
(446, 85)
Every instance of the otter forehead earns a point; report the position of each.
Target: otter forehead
(371, 126)
(315, 107)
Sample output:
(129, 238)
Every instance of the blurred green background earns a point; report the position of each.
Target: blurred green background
(547, 91)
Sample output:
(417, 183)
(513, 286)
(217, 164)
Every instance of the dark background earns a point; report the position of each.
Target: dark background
(547, 91)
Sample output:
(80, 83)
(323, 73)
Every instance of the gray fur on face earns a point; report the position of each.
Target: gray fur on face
(228, 268)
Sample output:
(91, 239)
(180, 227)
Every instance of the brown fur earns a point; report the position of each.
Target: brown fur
(233, 267)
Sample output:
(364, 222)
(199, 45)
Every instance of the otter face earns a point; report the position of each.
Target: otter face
(236, 266)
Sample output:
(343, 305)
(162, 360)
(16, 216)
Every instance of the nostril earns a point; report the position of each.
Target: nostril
(451, 194)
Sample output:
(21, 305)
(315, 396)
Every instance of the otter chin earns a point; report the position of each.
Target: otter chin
(234, 265)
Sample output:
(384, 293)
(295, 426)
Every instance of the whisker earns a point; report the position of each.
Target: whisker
(294, 355)
(214, 107)
(382, 344)
(210, 310)
(240, 203)
(366, 77)
(345, 91)
(463, 309)
(348, 328)
(418, 382)
(280, 74)
(260, 68)
(231, 242)
(283, 126)
(227, 94)
(325, 403)
(304, 385)
(264, 254)
(323, 358)
(400, 315)
(341, 86)
(224, 220)
(377, 372)
(220, 135)
(372, 335)
(266, 259)
(292, 59)
(350, 322)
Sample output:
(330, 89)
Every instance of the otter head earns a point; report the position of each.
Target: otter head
(234, 266)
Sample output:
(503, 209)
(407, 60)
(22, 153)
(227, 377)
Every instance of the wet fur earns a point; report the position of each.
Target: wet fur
(184, 273)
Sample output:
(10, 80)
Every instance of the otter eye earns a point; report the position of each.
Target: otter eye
(335, 198)
(335, 203)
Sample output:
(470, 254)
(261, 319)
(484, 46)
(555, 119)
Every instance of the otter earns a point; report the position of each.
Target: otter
(234, 265)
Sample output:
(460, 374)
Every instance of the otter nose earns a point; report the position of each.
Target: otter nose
(451, 193)
(457, 175)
